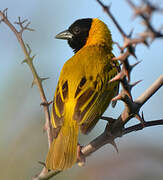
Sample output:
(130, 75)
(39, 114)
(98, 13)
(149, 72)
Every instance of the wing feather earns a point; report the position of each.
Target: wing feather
(94, 100)
(85, 87)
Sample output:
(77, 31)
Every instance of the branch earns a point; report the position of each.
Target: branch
(139, 126)
(145, 14)
(107, 137)
(45, 175)
(129, 42)
(150, 91)
(104, 139)
(107, 10)
(99, 142)
(29, 60)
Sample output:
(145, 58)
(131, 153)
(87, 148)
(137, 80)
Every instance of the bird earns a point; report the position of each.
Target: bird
(84, 90)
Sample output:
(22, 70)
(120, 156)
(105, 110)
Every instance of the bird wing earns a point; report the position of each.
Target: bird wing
(84, 84)
(57, 113)
(93, 100)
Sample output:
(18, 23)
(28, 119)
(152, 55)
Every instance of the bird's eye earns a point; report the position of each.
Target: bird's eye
(76, 30)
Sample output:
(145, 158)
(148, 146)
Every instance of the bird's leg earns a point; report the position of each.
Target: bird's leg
(80, 156)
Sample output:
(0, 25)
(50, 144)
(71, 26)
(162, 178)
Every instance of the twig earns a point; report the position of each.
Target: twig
(107, 10)
(104, 139)
(150, 91)
(44, 175)
(142, 13)
(29, 60)
(140, 127)
(128, 42)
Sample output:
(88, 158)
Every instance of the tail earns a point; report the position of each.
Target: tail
(63, 150)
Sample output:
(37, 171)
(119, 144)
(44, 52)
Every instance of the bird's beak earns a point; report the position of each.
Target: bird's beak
(64, 35)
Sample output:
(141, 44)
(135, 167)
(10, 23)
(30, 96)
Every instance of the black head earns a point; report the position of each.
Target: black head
(77, 33)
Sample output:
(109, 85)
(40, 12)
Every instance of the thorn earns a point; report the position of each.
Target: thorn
(142, 115)
(118, 77)
(134, 84)
(33, 83)
(118, 97)
(20, 22)
(42, 163)
(29, 49)
(5, 12)
(30, 29)
(46, 103)
(26, 26)
(24, 61)
(131, 49)
(141, 119)
(25, 20)
(134, 65)
(133, 54)
(43, 79)
(145, 42)
(114, 145)
(107, 8)
(122, 57)
(108, 119)
(131, 32)
(126, 69)
(33, 57)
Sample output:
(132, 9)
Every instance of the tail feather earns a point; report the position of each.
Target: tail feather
(63, 150)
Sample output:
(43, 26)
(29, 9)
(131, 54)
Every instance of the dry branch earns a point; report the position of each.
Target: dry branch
(29, 60)
(108, 138)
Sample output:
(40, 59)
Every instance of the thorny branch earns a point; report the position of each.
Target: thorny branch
(115, 127)
(145, 13)
(29, 60)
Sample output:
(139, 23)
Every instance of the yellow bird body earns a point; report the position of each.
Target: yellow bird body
(83, 93)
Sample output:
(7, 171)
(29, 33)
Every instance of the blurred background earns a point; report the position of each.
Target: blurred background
(22, 141)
